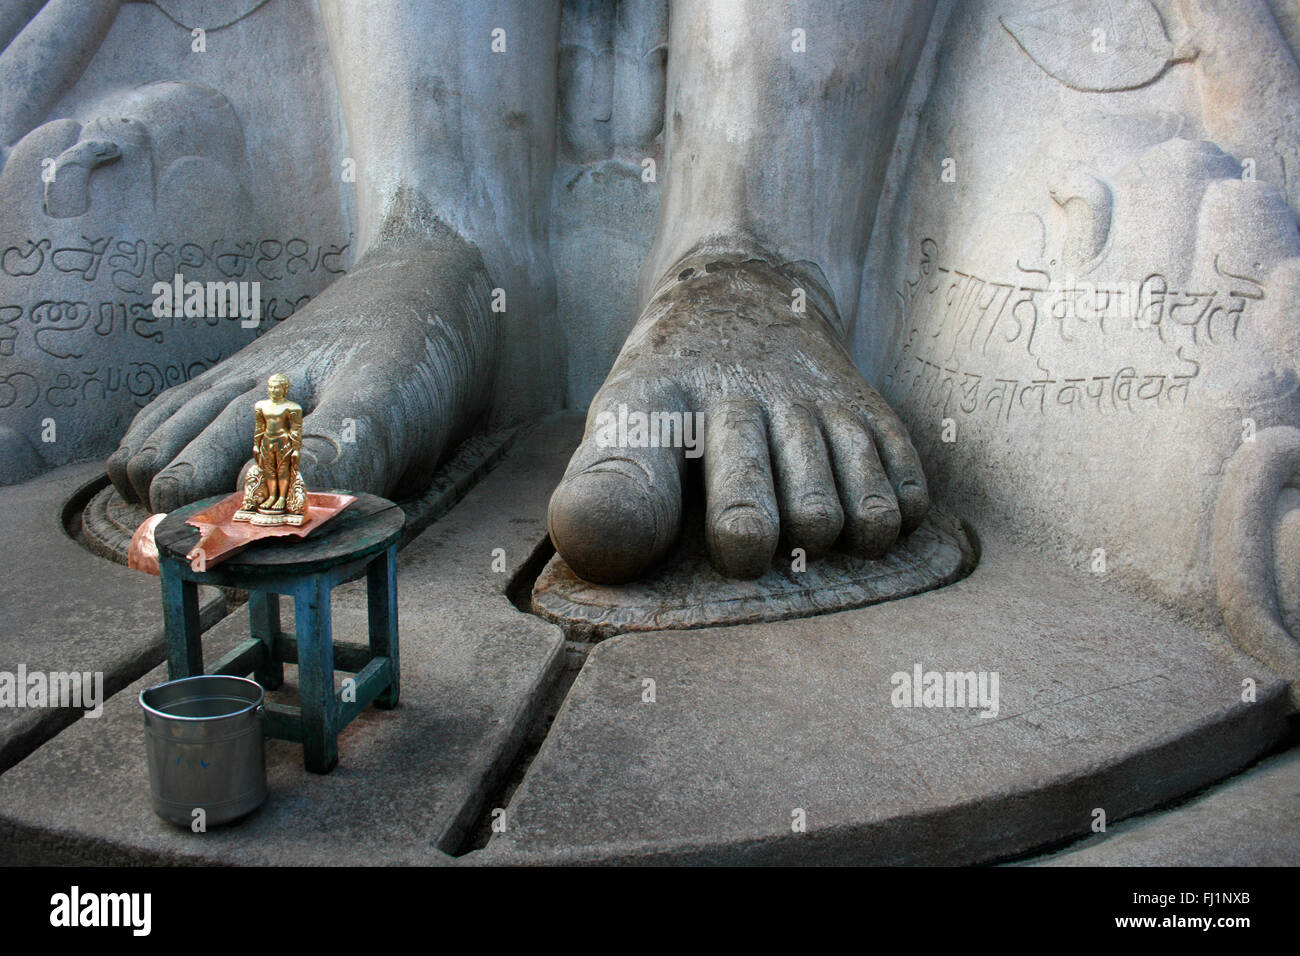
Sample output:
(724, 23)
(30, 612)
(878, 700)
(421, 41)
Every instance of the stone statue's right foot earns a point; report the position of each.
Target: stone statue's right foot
(795, 444)
(391, 363)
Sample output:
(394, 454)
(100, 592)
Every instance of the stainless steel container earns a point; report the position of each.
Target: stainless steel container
(205, 742)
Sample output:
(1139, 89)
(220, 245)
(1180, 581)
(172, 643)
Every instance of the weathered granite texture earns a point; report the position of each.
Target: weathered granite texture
(1139, 154)
(686, 592)
(608, 176)
(1066, 254)
(1250, 820)
(1084, 269)
(746, 296)
(1105, 701)
(127, 156)
(66, 610)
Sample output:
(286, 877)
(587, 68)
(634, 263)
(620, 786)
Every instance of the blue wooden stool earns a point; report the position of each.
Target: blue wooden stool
(361, 540)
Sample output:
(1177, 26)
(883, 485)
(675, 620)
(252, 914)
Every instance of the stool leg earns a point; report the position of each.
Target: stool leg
(319, 705)
(381, 604)
(264, 624)
(181, 623)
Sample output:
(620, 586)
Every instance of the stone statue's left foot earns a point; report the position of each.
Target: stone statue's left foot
(392, 364)
(795, 443)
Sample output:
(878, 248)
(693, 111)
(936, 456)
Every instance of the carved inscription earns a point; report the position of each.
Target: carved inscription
(79, 328)
(57, 324)
(136, 381)
(134, 265)
(950, 387)
(966, 333)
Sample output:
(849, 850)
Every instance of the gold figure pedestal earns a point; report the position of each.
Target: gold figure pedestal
(274, 493)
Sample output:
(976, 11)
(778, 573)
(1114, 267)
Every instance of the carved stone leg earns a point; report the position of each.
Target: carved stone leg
(746, 338)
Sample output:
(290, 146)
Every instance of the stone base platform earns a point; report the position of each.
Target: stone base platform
(1251, 820)
(64, 609)
(757, 731)
(775, 742)
(686, 591)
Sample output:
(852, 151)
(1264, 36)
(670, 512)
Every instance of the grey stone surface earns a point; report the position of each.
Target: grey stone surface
(1105, 701)
(686, 592)
(162, 161)
(1257, 550)
(410, 782)
(453, 290)
(605, 218)
(1086, 259)
(394, 363)
(790, 441)
(607, 178)
(65, 609)
(746, 297)
(495, 88)
(1251, 820)
(956, 238)
(1159, 156)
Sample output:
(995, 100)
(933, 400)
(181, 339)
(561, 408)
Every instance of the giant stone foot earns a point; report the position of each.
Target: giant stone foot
(391, 364)
(795, 444)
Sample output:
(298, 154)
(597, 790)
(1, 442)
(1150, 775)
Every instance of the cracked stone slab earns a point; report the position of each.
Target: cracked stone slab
(1104, 701)
(410, 782)
(1251, 820)
(65, 609)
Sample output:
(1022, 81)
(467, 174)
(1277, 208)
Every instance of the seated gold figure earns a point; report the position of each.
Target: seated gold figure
(273, 489)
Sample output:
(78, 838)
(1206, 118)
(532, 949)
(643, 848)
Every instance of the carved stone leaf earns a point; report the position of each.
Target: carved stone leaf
(1095, 45)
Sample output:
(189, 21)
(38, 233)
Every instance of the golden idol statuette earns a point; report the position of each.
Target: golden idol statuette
(273, 490)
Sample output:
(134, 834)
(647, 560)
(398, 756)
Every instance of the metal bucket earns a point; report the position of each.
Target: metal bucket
(204, 737)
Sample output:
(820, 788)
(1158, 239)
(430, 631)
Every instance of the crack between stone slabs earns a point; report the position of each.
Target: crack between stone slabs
(551, 693)
(24, 744)
(546, 703)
